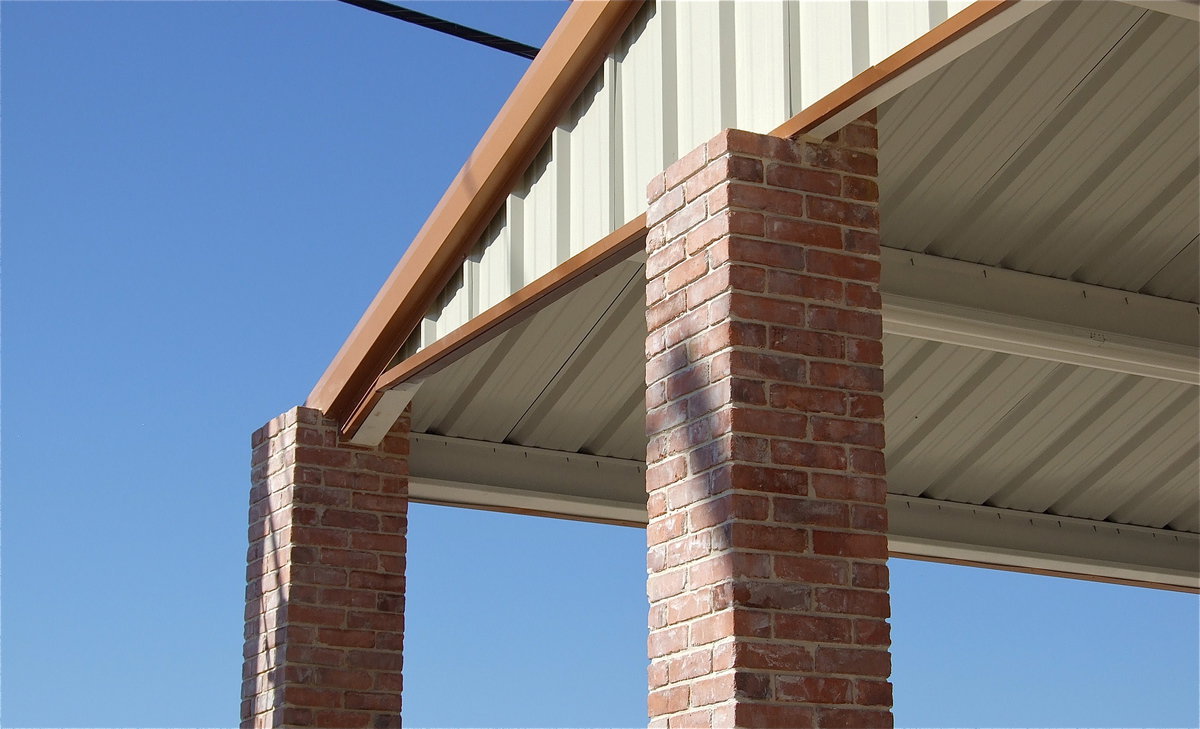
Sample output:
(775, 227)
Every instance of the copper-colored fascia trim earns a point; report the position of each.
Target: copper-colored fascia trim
(1047, 572)
(565, 278)
(569, 58)
(872, 78)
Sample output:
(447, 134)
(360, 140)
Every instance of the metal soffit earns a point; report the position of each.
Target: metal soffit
(1065, 147)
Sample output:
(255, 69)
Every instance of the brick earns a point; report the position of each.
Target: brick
(850, 544)
(847, 377)
(814, 690)
(842, 212)
(786, 283)
(735, 249)
(803, 568)
(810, 512)
(720, 170)
(853, 661)
(767, 535)
(860, 323)
(836, 430)
(872, 693)
(324, 508)
(851, 268)
(775, 716)
(870, 603)
(806, 342)
(668, 700)
(809, 455)
(854, 718)
(800, 178)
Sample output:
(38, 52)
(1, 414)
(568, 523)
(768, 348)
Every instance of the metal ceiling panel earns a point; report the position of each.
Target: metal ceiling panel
(1066, 147)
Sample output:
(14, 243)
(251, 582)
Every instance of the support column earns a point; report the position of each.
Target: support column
(325, 576)
(767, 545)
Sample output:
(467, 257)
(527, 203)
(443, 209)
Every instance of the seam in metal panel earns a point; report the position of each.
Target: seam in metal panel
(1122, 452)
(603, 319)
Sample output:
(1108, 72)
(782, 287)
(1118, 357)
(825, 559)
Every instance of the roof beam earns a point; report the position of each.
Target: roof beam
(517, 479)
(945, 300)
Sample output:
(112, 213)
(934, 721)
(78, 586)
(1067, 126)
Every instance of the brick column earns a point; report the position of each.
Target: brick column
(767, 539)
(325, 577)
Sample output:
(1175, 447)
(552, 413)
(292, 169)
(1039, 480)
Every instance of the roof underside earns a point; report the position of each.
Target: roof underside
(1100, 95)
(1064, 148)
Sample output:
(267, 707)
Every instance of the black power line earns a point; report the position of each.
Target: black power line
(445, 26)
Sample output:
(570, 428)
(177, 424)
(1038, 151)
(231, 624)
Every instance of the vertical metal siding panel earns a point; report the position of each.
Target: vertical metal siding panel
(590, 174)
(761, 83)
(539, 239)
(825, 58)
(515, 214)
(566, 193)
(670, 69)
(699, 87)
(454, 307)
(894, 24)
(493, 263)
(640, 74)
(957, 6)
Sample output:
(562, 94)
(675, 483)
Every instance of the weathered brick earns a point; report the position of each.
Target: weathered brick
(327, 531)
(767, 583)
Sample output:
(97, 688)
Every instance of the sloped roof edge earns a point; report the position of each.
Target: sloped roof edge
(572, 54)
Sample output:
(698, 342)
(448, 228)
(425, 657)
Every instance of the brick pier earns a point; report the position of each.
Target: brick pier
(767, 541)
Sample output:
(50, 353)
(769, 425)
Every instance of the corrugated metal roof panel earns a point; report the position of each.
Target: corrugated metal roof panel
(1067, 147)
(981, 428)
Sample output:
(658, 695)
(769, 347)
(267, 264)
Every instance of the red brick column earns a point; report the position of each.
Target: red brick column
(767, 539)
(325, 592)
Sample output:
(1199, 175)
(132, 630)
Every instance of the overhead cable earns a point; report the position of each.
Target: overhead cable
(447, 27)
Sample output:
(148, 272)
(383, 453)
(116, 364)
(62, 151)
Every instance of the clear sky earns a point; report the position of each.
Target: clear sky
(197, 202)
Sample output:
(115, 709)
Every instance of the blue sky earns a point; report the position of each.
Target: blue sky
(197, 202)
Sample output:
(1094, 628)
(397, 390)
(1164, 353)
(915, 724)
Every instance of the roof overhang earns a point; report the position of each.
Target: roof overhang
(1134, 350)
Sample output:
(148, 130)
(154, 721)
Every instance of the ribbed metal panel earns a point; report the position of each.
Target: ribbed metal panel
(1066, 147)
(562, 377)
(983, 428)
(963, 425)
(682, 72)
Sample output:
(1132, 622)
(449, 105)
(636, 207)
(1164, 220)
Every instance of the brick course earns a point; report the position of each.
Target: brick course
(325, 577)
(767, 538)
